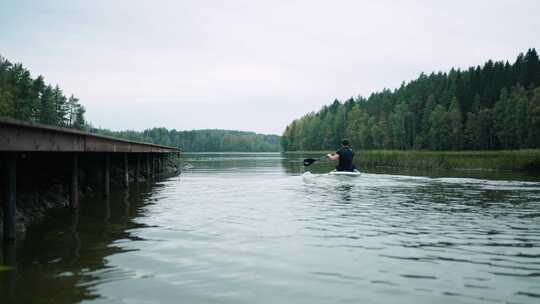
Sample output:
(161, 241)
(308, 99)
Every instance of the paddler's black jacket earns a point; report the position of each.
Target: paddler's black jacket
(346, 155)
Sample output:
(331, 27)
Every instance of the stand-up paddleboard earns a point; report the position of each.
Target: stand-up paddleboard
(309, 161)
(345, 173)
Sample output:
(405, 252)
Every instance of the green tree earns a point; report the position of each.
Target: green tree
(440, 132)
(456, 126)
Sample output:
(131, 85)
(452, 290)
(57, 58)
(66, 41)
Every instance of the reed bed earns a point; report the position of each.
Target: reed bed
(522, 160)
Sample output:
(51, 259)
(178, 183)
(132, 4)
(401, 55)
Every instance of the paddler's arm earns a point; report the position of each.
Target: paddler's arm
(332, 156)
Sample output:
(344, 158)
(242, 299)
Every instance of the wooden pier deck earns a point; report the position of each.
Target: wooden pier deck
(18, 139)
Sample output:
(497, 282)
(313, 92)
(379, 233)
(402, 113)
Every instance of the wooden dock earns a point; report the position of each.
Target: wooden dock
(19, 139)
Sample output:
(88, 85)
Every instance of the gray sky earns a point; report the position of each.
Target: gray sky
(249, 65)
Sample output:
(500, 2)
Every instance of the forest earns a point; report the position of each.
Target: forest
(490, 107)
(202, 140)
(25, 98)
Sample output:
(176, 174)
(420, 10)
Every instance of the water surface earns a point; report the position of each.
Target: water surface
(254, 228)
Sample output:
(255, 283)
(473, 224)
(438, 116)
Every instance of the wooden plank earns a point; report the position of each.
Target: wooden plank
(18, 135)
(95, 144)
(25, 139)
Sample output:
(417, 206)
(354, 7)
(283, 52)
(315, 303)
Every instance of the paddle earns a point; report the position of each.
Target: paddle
(309, 161)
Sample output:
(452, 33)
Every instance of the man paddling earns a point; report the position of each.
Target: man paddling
(344, 156)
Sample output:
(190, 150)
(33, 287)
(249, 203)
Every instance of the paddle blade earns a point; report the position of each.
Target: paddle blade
(309, 161)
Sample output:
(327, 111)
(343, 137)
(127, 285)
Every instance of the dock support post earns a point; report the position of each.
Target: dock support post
(107, 176)
(153, 163)
(138, 167)
(10, 203)
(74, 203)
(155, 170)
(156, 164)
(147, 169)
(163, 159)
(126, 171)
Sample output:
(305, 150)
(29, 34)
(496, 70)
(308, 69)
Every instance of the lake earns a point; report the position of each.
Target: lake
(254, 228)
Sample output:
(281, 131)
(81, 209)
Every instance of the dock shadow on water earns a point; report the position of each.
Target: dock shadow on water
(63, 257)
(256, 228)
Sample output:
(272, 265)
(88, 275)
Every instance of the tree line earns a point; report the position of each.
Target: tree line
(202, 140)
(25, 98)
(489, 107)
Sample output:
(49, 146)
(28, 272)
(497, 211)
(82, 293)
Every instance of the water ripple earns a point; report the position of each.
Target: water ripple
(253, 228)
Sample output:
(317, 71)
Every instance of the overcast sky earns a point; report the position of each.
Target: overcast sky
(249, 65)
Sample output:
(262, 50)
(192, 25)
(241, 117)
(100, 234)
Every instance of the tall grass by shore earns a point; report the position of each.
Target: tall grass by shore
(472, 160)
(518, 160)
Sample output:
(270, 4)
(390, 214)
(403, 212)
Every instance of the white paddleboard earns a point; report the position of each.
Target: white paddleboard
(345, 173)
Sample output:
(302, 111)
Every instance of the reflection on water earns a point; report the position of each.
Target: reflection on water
(245, 228)
(62, 258)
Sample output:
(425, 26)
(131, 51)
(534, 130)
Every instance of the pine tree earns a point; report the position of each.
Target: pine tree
(47, 110)
(531, 70)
